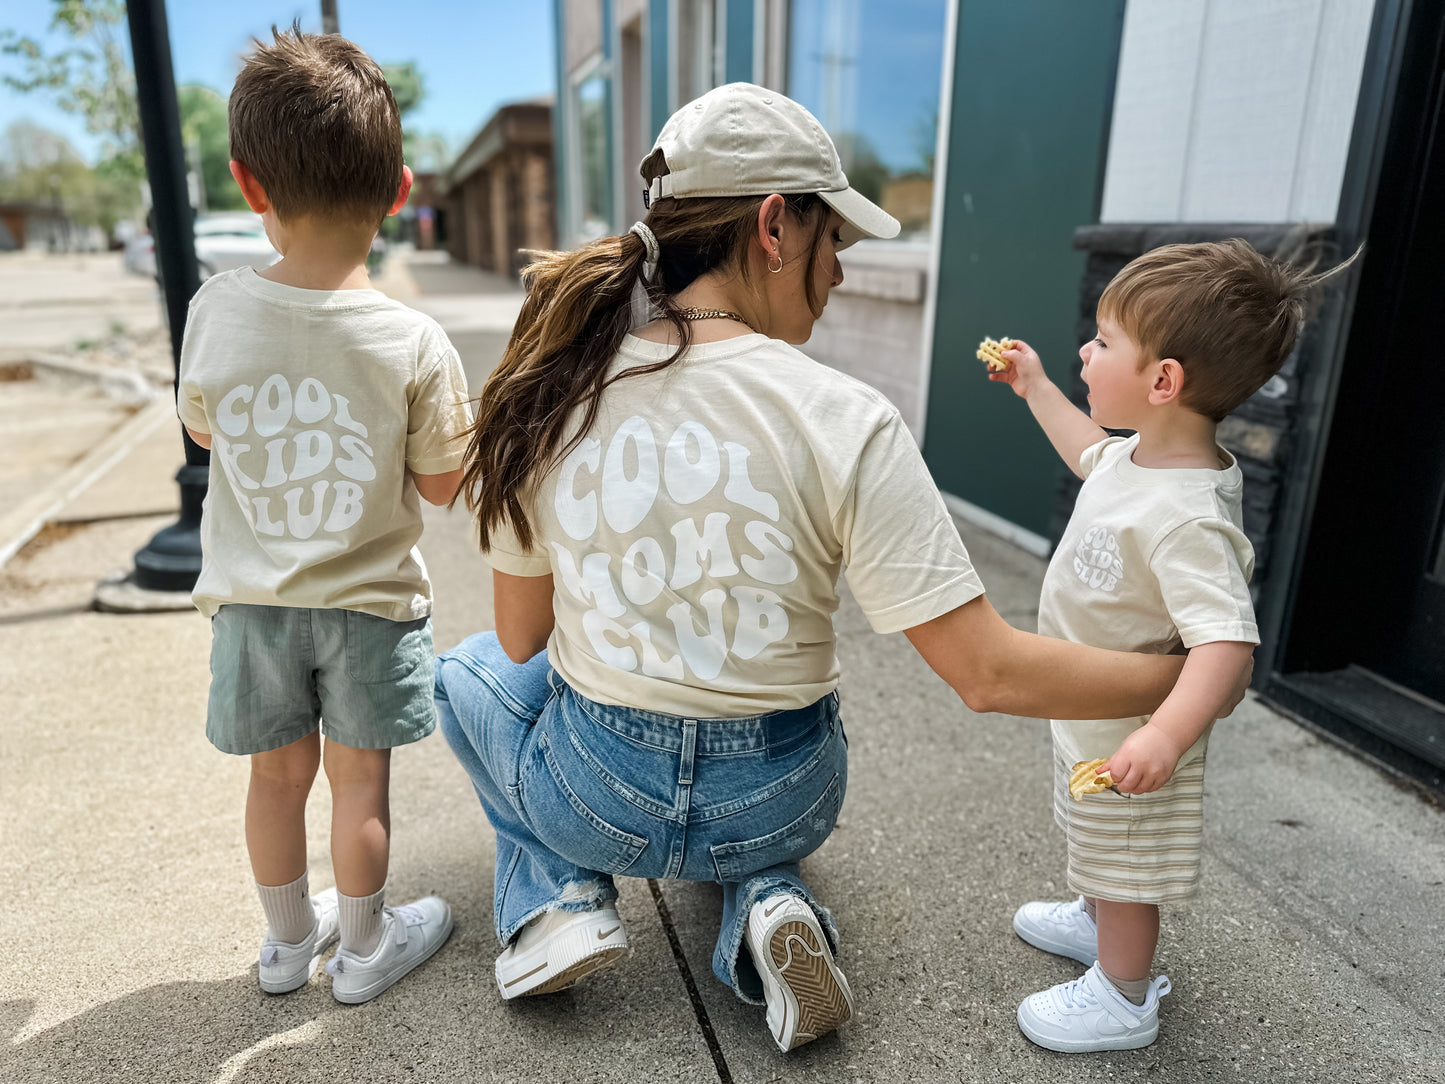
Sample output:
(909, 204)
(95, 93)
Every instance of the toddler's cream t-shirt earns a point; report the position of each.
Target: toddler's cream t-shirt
(1152, 560)
(317, 403)
(697, 532)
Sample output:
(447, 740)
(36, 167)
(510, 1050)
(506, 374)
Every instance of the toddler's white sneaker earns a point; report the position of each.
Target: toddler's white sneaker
(555, 949)
(1065, 929)
(410, 935)
(807, 995)
(1089, 1014)
(284, 967)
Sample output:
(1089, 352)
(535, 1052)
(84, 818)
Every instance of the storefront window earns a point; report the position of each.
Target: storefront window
(594, 204)
(870, 71)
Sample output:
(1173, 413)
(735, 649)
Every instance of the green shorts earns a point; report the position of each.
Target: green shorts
(277, 672)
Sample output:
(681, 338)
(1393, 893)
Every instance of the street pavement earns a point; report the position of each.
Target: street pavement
(129, 926)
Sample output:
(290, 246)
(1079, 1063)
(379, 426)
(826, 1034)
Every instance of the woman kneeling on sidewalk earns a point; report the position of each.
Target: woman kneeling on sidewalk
(667, 501)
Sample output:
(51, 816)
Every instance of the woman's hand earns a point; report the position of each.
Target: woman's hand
(1025, 372)
(1144, 762)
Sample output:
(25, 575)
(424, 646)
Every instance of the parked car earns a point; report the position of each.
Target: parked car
(224, 241)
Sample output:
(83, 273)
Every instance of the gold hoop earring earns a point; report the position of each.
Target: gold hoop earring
(775, 256)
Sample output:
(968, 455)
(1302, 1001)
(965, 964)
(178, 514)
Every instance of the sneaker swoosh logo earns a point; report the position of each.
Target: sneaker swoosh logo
(774, 907)
(601, 936)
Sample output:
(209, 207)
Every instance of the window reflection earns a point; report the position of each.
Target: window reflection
(595, 203)
(869, 70)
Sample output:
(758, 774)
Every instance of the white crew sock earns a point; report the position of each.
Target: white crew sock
(360, 918)
(289, 914)
(1136, 990)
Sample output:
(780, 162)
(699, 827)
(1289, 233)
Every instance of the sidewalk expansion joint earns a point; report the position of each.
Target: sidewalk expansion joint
(698, 1008)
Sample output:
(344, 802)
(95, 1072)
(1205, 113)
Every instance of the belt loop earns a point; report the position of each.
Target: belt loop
(689, 749)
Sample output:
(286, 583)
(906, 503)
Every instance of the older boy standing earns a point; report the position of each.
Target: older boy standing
(329, 409)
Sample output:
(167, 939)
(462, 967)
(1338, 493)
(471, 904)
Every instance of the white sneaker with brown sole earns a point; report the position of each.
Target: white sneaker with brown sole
(555, 949)
(807, 995)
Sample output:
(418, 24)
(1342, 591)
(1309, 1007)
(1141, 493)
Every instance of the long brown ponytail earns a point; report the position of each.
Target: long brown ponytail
(577, 311)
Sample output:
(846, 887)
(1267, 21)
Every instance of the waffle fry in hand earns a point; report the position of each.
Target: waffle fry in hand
(1088, 779)
(990, 352)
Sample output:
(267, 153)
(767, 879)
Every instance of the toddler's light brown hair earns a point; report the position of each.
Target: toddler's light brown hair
(1228, 314)
(313, 119)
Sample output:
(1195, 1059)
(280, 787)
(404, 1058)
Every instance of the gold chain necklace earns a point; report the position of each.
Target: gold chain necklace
(716, 314)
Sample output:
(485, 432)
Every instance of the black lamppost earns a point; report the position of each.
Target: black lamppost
(171, 561)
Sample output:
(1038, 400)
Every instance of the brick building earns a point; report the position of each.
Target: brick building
(496, 199)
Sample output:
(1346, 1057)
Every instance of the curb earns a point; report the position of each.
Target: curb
(26, 520)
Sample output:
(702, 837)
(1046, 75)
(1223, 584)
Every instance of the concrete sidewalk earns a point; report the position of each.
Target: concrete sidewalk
(129, 927)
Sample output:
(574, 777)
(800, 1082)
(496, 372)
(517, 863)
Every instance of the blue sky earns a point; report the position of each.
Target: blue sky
(474, 55)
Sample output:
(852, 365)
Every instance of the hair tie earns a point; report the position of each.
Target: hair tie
(649, 242)
(641, 304)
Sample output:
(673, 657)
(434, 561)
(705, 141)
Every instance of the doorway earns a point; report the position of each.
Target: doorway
(1364, 651)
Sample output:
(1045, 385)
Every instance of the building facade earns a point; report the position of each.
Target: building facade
(1030, 148)
(495, 201)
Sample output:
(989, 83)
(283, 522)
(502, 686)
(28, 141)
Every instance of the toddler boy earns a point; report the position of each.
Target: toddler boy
(1153, 559)
(328, 409)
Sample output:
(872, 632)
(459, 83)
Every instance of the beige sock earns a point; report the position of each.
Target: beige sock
(360, 918)
(289, 916)
(1136, 990)
(1091, 908)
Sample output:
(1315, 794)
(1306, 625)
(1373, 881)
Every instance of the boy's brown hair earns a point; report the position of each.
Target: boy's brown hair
(313, 119)
(1228, 314)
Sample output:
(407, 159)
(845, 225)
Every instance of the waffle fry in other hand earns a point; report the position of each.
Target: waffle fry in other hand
(990, 352)
(1088, 779)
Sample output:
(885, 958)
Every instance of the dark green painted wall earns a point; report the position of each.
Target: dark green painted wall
(1032, 94)
(657, 31)
(739, 64)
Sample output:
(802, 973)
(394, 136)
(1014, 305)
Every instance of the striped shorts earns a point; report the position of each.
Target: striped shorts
(1134, 848)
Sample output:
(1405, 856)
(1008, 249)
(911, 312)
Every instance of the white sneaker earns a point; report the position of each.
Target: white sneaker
(807, 995)
(557, 948)
(284, 967)
(1089, 1014)
(410, 935)
(1064, 929)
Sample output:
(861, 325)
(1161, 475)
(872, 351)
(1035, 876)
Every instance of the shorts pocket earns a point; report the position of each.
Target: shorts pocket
(564, 821)
(379, 650)
(795, 840)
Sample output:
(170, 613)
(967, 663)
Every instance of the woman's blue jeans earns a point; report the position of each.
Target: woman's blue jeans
(579, 791)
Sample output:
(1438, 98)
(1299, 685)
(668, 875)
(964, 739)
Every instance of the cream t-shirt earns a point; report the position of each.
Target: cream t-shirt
(697, 532)
(317, 403)
(1152, 560)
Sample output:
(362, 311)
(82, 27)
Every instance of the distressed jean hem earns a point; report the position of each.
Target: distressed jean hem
(576, 896)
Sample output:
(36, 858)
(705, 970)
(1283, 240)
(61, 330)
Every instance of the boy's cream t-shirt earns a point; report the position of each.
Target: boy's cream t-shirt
(697, 532)
(1151, 560)
(317, 403)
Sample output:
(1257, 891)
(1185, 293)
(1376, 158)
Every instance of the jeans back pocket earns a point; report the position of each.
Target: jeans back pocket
(565, 822)
(795, 840)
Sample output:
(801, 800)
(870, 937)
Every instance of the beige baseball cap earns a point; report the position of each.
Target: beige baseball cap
(745, 140)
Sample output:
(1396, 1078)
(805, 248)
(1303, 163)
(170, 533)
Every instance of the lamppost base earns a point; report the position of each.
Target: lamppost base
(118, 593)
(167, 567)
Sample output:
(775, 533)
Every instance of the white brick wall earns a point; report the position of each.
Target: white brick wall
(1234, 110)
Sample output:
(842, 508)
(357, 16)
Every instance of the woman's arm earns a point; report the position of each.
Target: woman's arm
(522, 606)
(995, 667)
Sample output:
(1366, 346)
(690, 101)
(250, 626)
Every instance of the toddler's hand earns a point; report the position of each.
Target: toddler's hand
(1144, 762)
(1025, 371)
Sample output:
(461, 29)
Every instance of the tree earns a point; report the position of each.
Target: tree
(40, 166)
(205, 131)
(423, 151)
(92, 78)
